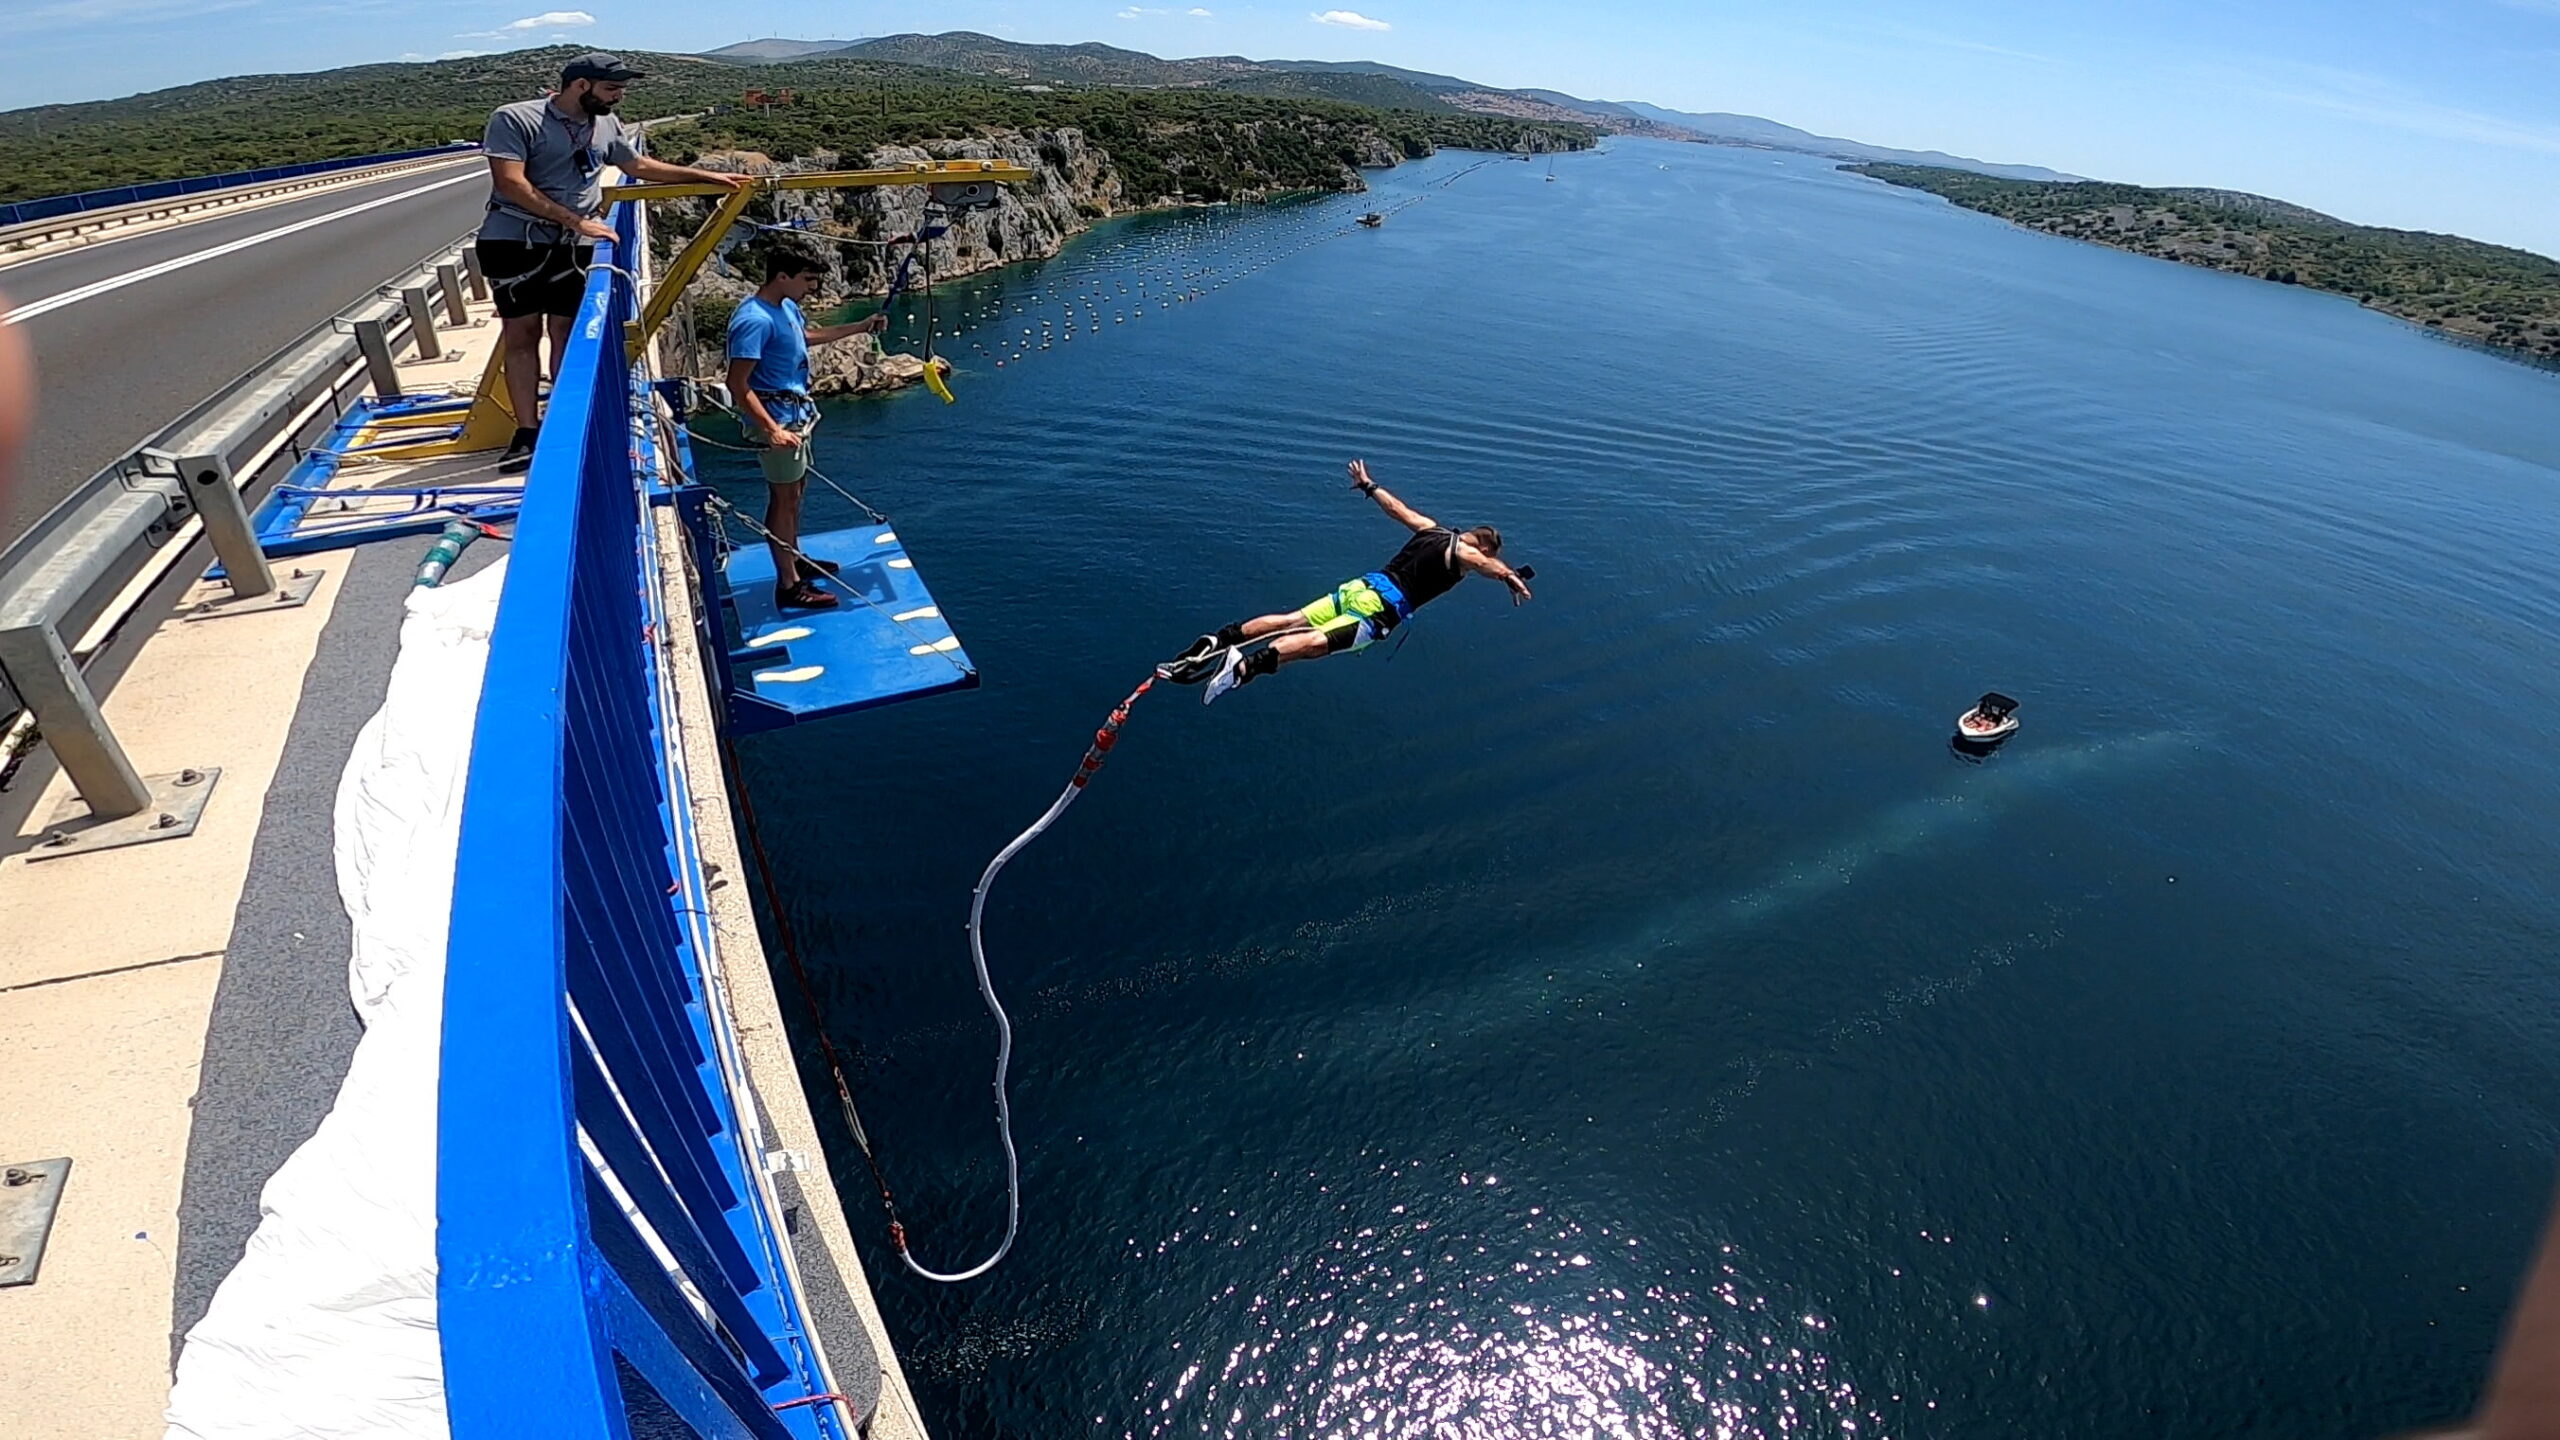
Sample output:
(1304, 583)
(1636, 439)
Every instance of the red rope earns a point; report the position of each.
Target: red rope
(809, 993)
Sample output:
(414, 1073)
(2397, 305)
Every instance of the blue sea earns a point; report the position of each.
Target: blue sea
(1623, 1015)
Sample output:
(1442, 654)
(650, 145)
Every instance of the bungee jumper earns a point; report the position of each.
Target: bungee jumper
(1354, 616)
(1359, 612)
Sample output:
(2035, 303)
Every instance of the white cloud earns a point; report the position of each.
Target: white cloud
(1141, 12)
(552, 20)
(1350, 20)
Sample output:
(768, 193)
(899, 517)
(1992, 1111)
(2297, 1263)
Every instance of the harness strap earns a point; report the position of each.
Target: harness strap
(1388, 591)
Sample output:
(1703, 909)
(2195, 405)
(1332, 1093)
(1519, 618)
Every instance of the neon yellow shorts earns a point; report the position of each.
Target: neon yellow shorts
(1352, 617)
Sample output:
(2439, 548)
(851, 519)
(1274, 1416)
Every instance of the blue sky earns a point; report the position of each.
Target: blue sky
(2430, 114)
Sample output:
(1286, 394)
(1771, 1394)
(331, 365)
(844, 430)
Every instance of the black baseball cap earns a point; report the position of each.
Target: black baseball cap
(597, 65)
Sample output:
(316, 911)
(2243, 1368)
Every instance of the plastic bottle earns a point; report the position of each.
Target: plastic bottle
(448, 548)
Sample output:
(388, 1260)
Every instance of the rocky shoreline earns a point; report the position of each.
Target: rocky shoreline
(1074, 185)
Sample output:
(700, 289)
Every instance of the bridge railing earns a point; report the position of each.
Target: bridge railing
(54, 207)
(607, 1244)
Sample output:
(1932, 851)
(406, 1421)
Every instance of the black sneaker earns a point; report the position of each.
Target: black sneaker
(804, 596)
(519, 456)
(1195, 664)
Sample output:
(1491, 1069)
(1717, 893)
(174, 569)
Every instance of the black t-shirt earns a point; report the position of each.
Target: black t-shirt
(1427, 567)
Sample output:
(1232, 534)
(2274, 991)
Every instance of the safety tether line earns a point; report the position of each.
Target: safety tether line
(856, 501)
(721, 507)
(809, 993)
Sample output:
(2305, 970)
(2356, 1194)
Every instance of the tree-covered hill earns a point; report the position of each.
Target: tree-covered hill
(843, 104)
(2487, 293)
(1200, 145)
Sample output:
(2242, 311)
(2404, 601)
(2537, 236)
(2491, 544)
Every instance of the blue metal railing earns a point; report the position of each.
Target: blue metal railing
(53, 207)
(601, 1224)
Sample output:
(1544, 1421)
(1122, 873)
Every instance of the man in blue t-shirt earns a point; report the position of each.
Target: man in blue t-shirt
(769, 344)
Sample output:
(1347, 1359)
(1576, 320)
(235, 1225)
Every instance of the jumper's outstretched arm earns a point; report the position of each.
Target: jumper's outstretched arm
(1397, 510)
(1493, 569)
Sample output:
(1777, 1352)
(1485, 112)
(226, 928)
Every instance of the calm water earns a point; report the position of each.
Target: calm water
(1622, 1015)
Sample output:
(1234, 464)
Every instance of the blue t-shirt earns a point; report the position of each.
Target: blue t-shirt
(772, 334)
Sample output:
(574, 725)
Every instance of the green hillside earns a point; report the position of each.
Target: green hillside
(845, 103)
(253, 120)
(1200, 144)
(2487, 293)
(1093, 64)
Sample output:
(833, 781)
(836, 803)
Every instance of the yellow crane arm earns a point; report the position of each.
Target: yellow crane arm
(688, 263)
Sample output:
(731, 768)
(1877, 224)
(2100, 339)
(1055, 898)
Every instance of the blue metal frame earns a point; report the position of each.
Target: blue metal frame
(283, 519)
(53, 206)
(586, 1075)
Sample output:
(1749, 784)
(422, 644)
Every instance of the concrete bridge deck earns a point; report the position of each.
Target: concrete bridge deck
(175, 1016)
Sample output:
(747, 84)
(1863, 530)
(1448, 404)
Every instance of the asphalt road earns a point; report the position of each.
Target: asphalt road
(129, 333)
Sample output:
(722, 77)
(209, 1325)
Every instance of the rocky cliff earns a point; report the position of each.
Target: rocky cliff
(1075, 183)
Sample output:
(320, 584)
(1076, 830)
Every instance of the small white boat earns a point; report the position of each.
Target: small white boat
(1992, 719)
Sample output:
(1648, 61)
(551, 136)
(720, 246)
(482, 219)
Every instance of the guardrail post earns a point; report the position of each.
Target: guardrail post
(255, 587)
(471, 270)
(449, 280)
(226, 524)
(375, 342)
(422, 322)
(52, 688)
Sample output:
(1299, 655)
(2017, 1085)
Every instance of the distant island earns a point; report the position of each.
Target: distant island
(2503, 298)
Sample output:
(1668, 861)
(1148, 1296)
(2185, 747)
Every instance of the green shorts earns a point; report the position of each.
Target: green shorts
(1353, 617)
(788, 467)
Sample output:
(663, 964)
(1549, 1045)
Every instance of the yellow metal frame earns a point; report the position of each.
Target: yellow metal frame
(492, 420)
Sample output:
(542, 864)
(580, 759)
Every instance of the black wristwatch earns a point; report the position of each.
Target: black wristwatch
(1368, 487)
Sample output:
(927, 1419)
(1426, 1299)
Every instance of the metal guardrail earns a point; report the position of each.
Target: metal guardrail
(602, 1223)
(64, 575)
(51, 207)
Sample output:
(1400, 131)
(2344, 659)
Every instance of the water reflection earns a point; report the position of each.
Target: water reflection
(1554, 1332)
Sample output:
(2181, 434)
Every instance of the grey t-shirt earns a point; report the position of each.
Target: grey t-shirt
(563, 157)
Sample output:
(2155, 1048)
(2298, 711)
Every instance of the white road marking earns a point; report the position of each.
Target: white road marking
(51, 303)
(142, 228)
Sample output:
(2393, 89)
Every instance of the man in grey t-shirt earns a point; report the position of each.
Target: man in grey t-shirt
(546, 184)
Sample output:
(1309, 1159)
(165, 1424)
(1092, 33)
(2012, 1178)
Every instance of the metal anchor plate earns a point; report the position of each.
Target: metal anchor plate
(29, 1191)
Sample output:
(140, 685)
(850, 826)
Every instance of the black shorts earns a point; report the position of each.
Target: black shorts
(535, 279)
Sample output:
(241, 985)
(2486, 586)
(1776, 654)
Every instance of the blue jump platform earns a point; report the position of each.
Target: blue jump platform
(892, 644)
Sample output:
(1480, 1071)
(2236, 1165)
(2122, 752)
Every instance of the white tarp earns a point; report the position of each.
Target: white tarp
(326, 1330)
